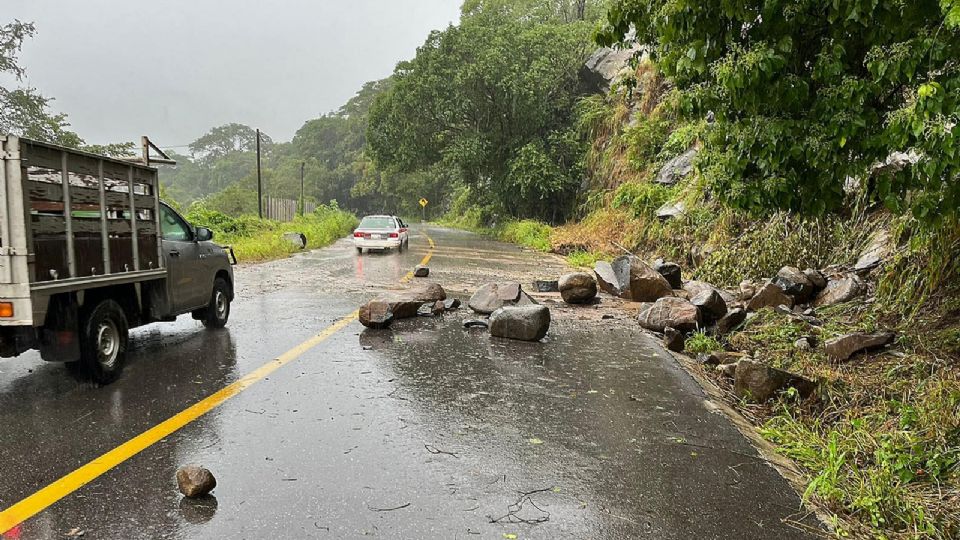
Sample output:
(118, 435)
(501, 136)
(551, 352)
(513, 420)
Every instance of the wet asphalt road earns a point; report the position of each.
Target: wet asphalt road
(426, 430)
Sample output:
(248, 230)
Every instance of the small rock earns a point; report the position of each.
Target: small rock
(524, 323)
(727, 370)
(719, 358)
(673, 339)
(729, 322)
(671, 210)
(840, 290)
(794, 283)
(475, 323)
(669, 312)
(748, 290)
(760, 383)
(421, 271)
(607, 317)
(803, 344)
(711, 305)
(770, 295)
(670, 271)
(816, 278)
(299, 240)
(451, 304)
(578, 288)
(195, 481)
(843, 347)
(439, 307)
(546, 286)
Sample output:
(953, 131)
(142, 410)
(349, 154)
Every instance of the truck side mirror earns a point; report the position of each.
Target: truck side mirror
(204, 234)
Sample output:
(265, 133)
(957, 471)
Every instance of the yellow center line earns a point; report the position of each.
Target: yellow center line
(67, 484)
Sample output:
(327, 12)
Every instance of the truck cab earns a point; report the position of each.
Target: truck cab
(88, 251)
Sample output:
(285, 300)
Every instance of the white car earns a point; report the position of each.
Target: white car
(381, 232)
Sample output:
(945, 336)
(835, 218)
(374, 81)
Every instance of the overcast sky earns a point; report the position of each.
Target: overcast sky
(171, 69)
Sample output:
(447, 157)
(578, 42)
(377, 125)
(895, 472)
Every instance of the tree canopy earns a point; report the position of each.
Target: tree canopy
(807, 94)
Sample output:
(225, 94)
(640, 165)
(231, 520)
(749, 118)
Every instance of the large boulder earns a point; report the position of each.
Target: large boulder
(614, 277)
(759, 383)
(578, 288)
(769, 295)
(670, 272)
(841, 348)
(603, 67)
(669, 312)
(376, 314)
(711, 305)
(840, 290)
(816, 278)
(671, 210)
(525, 323)
(494, 296)
(297, 239)
(646, 284)
(677, 168)
(795, 283)
(695, 287)
(195, 481)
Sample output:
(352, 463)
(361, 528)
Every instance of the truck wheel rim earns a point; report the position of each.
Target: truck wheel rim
(108, 343)
(220, 300)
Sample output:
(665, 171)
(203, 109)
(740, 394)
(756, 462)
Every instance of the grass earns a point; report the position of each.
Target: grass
(585, 259)
(701, 342)
(256, 239)
(528, 233)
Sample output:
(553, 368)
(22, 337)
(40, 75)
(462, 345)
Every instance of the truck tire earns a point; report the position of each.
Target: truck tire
(104, 332)
(218, 311)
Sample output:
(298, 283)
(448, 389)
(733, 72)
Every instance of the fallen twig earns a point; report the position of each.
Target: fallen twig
(434, 450)
(388, 509)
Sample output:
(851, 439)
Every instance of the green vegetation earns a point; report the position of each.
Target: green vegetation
(256, 239)
(532, 234)
(701, 342)
(585, 259)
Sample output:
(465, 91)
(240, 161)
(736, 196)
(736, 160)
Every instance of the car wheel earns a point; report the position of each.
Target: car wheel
(103, 342)
(218, 311)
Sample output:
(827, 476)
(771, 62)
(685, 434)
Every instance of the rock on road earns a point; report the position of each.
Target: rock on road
(426, 430)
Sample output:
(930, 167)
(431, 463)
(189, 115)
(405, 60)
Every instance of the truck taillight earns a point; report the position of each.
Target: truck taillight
(6, 309)
(394, 235)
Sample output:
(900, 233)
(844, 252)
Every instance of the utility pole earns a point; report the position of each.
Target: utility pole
(259, 180)
(303, 202)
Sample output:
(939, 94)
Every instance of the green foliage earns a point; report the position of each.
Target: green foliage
(473, 101)
(585, 259)
(532, 234)
(642, 198)
(807, 94)
(701, 342)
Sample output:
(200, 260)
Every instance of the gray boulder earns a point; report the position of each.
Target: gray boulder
(524, 323)
(451, 304)
(677, 168)
(421, 271)
(843, 347)
(299, 240)
(578, 288)
(670, 272)
(545, 286)
(695, 287)
(603, 66)
(376, 314)
(840, 290)
(769, 295)
(795, 283)
(614, 277)
(494, 296)
(875, 252)
(195, 481)
(711, 305)
(380, 312)
(669, 312)
(759, 383)
(671, 210)
(729, 322)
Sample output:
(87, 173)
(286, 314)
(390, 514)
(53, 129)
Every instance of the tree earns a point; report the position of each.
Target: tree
(807, 94)
(549, 11)
(25, 111)
(474, 96)
(227, 139)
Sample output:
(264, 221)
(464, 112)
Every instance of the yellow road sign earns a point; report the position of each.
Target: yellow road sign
(424, 202)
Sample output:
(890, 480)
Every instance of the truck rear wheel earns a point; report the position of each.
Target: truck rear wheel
(218, 311)
(103, 342)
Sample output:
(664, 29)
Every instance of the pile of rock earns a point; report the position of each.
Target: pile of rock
(380, 312)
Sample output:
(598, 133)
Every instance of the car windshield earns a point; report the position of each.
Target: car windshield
(381, 222)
